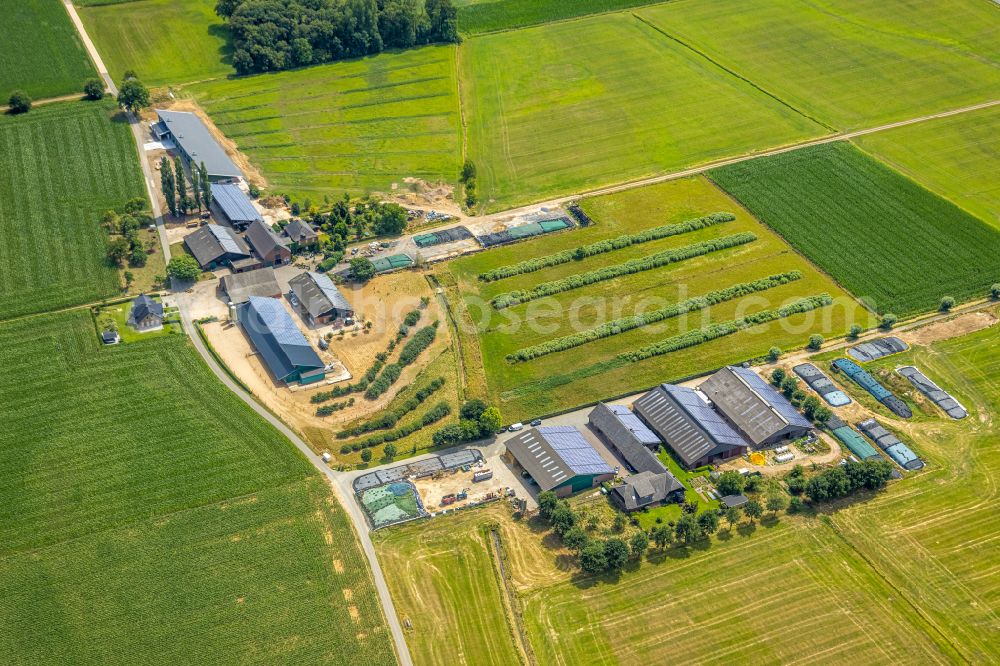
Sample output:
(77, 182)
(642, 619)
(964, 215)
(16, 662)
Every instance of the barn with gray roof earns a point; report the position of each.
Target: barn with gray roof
(278, 341)
(196, 144)
(214, 245)
(319, 300)
(269, 246)
(755, 408)
(689, 426)
(234, 205)
(558, 458)
(239, 287)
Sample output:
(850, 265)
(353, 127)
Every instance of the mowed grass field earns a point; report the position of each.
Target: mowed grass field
(888, 240)
(956, 157)
(571, 106)
(849, 63)
(142, 500)
(354, 126)
(905, 576)
(61, 166)
(478, 16)
(166, 42)
(592, 372)
(40, 52)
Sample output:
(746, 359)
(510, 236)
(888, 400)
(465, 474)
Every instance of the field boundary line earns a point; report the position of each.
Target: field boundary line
(512, 610)
(461, 103)
(731, 72)
(905, 597)
(568, 19)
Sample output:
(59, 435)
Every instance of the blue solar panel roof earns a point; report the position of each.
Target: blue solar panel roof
(712, 422)
(634, 424)
(235, 203)
(576, 452)
(772, 396)
(225, 239)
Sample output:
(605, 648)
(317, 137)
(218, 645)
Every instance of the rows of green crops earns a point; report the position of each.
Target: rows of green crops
(61, 166)
(889, 241)
(142, 501)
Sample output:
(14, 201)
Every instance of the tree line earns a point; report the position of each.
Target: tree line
(272, 35)
(174, 183)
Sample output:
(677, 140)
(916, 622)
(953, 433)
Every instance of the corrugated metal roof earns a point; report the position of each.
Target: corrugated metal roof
(771, 395)
(235, 203)
(241, 286)
(206, 244)
(757, 409)
(318, 293)
(276, 337)
(554, 455)
(576, 451)
(193, 137)
(628, 434)
(263, 239)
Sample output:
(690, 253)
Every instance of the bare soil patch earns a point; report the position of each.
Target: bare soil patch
(963, 324)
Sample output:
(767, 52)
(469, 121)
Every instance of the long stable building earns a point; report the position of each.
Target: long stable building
(689, 425)
(196, 143)
(755, 408)
(559, 459)
(279, 342)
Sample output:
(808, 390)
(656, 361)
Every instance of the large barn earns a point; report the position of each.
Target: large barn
(269, 246)
(234, 206)
(214, 245)
(558, 458)
(319, 300)
(755, 408)
(196, 144)
(239, 287)
(689, 426)
(279, 342)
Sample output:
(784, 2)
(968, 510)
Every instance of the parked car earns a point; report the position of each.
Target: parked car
(515, 427)
(536, 422)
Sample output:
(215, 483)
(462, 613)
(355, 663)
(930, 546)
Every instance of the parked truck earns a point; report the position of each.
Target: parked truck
(448, 499)
(482, 475)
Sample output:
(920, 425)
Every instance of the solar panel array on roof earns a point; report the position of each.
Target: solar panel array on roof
(225, 238)
(771, 395)
(628, 435)
(820, 383)
(235, 203)
(939, 396)
(708, 418)
(634, 424)
(276, 338)
(554, 455)
(576, 451)
(330, 290)
(195, 140)
(869, 351)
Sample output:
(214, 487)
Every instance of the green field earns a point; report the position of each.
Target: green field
(957, 157)
(142, 500)
(61, 166)
(571, 106)
(478, 16)
(353, 126)
(849, 63)
(40, 52)
(889, 241)
(166, 42)
(906, 576)
(592, 371)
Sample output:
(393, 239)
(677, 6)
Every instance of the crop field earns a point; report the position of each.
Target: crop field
(956, 157)
(547, 116)
(478, 16)
(61, 167)
(40, 52)
(353, 126)
(849, 63)
(166, 42)
(593, 371)
(889, 241)
(124, 470)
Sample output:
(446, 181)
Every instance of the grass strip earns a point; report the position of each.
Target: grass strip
(657, 260)
(624, 324)
(713, 331)
(609, 245)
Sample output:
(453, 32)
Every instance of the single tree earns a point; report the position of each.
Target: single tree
(810, 405)
(575, 538)
(93, 89)
(778, 376)
(888, 321)
(730, 482)
(472, 409)
(687, 529)
(118, 250)
(592, 559)
(708, 521)
(562, 518)
(753, 510)
(133, 96)
(616, 554)
(184, 268)
(129, 279)
(815, 341)
(662, 536)
(366, 455)
(19, 102)
(183, 204)
(638, 544)
(618, 524)
(995, 291)
(206, 186)
(947, 303)
(732, 515)
(855, 331)
(389, 451)
(789, 385)
(773, 354)
(362, 269)
(776, 503)
(490, 421)
(195, 188)
(547, 503)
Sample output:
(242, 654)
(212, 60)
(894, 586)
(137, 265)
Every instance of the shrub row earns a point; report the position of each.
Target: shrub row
(436, 413)
(609, 245)
(634, 266)
(411, 318)
(420, 341)
(390, 417)
(347, 389)
(326, 410)
(714, 331)
(624, 324)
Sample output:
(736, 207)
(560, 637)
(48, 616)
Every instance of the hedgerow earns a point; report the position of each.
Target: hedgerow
(700, 336)
(634, 266)
(609, 245)
(618, 326)
(389, 418)
(326, 410)
(436, 413)
(420, 341)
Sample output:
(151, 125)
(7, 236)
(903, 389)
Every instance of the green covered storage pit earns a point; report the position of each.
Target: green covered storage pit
(858, 445)
(554, 225)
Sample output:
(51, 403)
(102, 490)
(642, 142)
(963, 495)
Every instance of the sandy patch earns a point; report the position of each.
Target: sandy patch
(950, 328)
(338, 566)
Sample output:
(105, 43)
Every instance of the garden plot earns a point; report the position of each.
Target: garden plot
(570, 106)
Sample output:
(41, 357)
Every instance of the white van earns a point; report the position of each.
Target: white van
(515, 427)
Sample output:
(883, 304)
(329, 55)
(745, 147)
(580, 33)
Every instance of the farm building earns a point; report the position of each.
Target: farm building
(730, 501)
(558, 458)
(300, 234)
(627, 434)
(239, 287)
(318, 298)
(196, 144)
(234, 205)
(280, 344)
(214, 245)
(146, 314)
(690, 427)
(268, 245)
(647, 489)
(755, 408)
